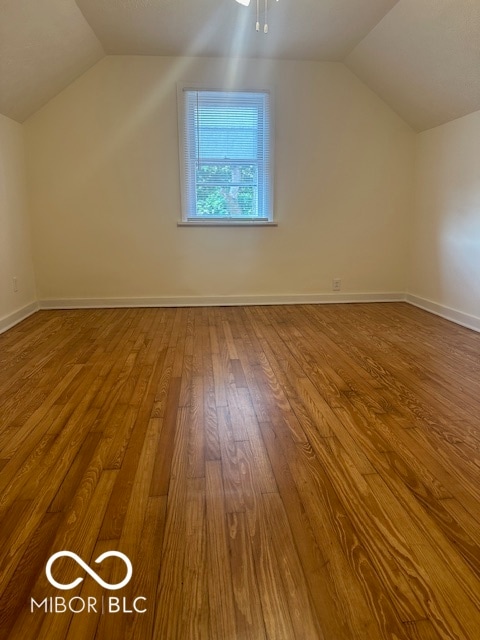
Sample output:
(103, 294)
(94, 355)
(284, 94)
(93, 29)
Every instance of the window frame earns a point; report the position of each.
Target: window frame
(188, 220)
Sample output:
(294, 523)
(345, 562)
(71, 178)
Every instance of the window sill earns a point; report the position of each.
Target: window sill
(227, 223)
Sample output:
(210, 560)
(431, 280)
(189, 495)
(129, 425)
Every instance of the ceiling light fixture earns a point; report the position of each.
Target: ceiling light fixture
(246, 3)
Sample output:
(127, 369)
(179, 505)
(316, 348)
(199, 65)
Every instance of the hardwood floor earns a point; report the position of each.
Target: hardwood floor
(286, 472)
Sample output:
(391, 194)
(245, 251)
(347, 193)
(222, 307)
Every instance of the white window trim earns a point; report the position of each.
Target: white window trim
(186, 221)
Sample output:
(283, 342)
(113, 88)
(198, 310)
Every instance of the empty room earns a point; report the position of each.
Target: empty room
(239, 319)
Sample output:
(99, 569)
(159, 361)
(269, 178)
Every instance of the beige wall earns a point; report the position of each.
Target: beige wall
(445, 251)
(105, 194)
(15, 248)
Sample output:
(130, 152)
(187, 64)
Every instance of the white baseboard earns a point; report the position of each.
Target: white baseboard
(463, 319)
(220, 301)
(17, 316)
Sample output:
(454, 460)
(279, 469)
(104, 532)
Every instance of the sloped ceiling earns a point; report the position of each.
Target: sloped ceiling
(423, 59)
(299, 29)
(44, 46)
(421, 56)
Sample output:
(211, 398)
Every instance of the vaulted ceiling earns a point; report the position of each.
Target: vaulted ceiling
(421, 56)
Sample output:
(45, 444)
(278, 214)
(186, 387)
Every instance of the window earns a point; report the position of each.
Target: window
(226, 156)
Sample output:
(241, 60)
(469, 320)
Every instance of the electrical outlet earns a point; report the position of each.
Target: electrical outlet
(15, 284)
(336, 284)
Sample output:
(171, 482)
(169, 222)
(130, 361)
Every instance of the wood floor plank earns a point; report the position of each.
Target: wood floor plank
(196, 606)
(438, 611)
(305, 623)
(70, 483)
(212, 441)
(277, 473)
(13, 437)
(364, 600)
(271, 590)
(314, 558)
(219, 573)
(147, 568)
(87, 624)
(248, 610)
(197, 436)
(169, 598)
(86, 512)
(27, 572)
(165, 445)
(421, 630)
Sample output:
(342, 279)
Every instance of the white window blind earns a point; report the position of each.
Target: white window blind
(226, 155)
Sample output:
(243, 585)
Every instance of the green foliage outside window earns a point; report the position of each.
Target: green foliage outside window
(226, 190)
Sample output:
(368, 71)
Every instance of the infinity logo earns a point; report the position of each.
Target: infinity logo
(95, 576)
